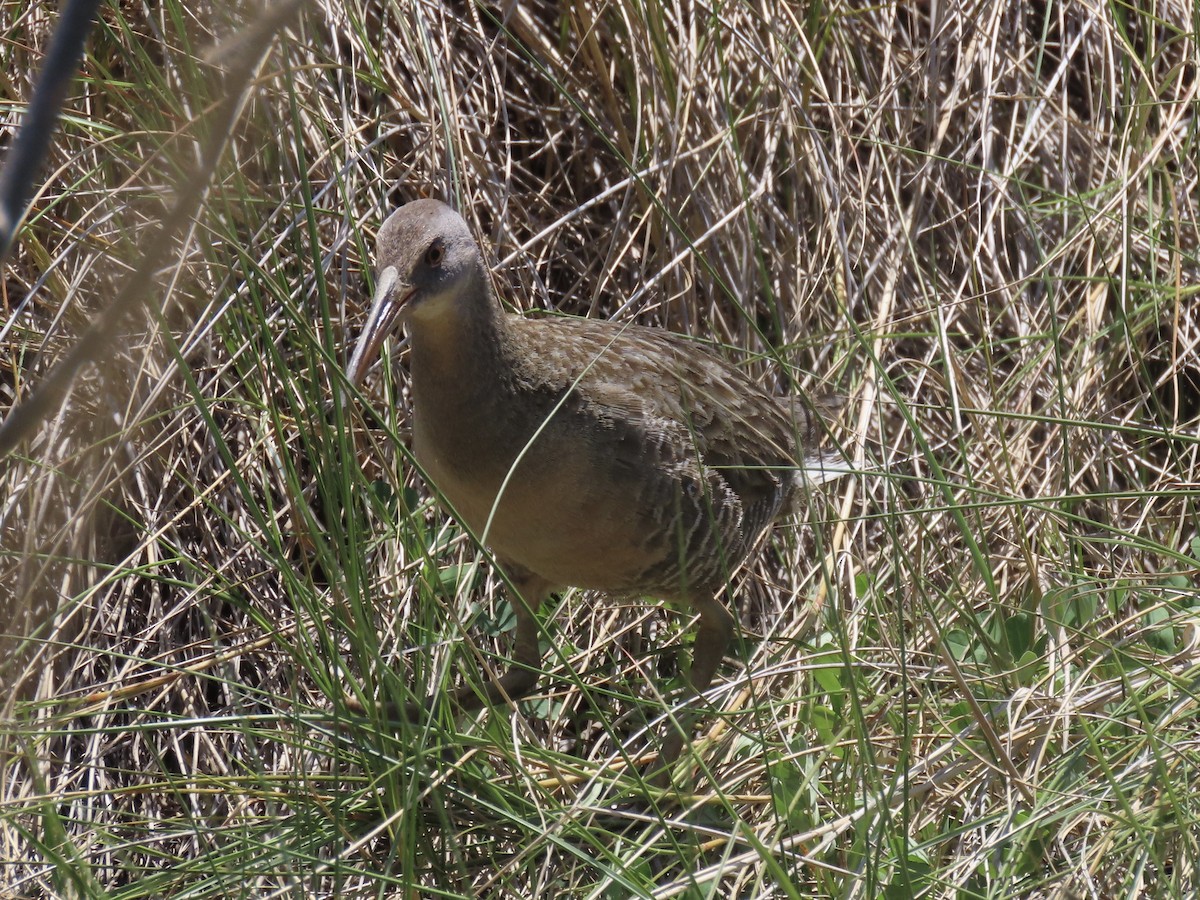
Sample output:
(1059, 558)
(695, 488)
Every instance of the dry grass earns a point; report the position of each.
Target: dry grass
(971, 674)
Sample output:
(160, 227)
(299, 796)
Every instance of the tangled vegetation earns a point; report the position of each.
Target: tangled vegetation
(969, 671)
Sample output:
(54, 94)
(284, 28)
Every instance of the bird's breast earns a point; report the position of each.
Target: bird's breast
(546, 497)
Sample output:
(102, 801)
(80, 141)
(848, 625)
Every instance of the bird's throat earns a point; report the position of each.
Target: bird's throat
(455, 357)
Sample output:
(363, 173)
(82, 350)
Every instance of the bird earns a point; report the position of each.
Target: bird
(584, 453)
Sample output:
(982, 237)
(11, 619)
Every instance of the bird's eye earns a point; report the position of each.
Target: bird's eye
(435, 254)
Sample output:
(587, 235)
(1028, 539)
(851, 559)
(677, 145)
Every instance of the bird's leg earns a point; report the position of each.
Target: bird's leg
(713, 637)
(522, 675)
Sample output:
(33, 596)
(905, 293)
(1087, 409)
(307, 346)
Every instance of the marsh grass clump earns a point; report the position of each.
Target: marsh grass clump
(966, 672)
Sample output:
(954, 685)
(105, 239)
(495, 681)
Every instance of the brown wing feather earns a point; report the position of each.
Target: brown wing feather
(697, 415)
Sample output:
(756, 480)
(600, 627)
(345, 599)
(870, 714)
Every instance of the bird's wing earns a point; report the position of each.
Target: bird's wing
(682, 395)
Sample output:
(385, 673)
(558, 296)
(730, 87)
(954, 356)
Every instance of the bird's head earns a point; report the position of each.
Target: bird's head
(428, 270)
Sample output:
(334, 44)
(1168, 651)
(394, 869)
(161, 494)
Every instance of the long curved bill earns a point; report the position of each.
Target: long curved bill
(386, 306)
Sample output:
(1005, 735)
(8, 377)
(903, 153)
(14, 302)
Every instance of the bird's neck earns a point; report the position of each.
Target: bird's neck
(456, 348)
(458, 364)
